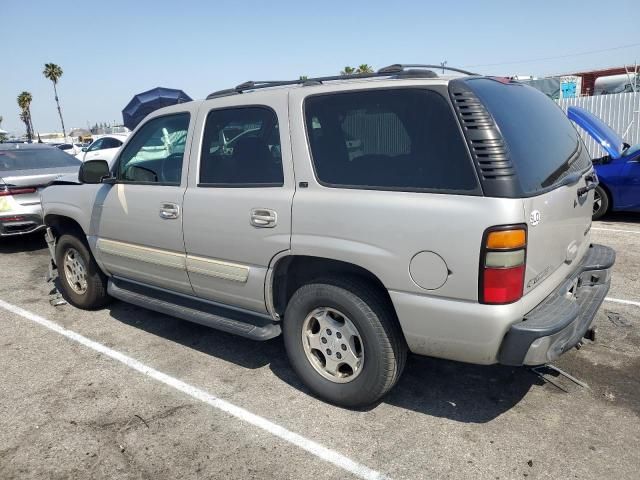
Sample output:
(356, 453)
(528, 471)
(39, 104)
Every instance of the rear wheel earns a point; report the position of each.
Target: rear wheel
(343, 340)
(600, 202)
(83, 284)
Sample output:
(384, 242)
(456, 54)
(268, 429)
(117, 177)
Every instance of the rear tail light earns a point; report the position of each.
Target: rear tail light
(502, 264)
(6, 191)
(16, 218)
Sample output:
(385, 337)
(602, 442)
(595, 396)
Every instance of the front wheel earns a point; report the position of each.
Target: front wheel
(600, 203)
(83, 283)
(343, 340)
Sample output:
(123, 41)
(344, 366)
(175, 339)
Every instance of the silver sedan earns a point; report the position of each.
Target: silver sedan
(25, 169)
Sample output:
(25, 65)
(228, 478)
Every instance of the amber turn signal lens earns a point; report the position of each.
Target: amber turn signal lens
(504, 239)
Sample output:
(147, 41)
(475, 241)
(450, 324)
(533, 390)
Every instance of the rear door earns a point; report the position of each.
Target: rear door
(552, 167)
(237, 208)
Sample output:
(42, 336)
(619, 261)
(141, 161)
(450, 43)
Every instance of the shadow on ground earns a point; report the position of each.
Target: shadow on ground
(23, 243)
(628, 217)
(460, 392)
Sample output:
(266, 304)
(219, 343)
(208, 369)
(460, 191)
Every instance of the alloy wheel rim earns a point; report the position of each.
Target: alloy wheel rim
(333, 345)
(597, 202)
(75, 271)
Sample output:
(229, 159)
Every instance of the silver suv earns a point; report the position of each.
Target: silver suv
(360, 217)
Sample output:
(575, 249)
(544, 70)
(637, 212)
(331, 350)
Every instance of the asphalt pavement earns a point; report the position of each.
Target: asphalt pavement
(126, 393)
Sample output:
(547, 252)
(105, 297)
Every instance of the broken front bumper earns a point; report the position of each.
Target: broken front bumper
(562, 319)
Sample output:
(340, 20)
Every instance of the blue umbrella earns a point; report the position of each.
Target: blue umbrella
(146, 102)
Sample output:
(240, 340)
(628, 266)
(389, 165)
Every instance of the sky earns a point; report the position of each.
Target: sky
(111, 50)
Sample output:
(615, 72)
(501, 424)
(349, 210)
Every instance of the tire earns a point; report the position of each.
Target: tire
(91, 296)
(600, 203)
(382, 344)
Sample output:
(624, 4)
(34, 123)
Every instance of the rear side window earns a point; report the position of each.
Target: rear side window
(109, 142)
(393, 139)
(543, 144)
(241, 148)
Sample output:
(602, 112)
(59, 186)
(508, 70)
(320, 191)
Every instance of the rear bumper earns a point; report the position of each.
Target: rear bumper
(14, 224)
(562, 319)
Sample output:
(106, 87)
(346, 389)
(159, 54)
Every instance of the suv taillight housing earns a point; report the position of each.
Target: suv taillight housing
(503, 260)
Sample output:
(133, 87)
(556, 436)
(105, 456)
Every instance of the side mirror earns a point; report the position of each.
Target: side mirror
(93, 171)
(84, 149)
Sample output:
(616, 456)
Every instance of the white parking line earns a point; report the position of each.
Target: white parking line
(310, 446)
(615, 230)
(624, 302)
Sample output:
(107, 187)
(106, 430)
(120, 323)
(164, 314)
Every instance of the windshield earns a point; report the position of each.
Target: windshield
(35, 158)
(543, 144)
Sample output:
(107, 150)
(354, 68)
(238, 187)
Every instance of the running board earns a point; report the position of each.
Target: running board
(239, 322)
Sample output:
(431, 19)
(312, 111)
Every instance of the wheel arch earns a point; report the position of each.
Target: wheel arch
(289, 272)
(609, 193)
(61, 224)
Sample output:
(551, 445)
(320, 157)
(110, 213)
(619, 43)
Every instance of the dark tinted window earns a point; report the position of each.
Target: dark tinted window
(29, 159)
(155, 153)
(542, 142)
(109, 142)
(400, 139)
(241, 147)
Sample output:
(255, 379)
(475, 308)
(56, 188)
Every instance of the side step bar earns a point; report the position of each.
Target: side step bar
(239, 322)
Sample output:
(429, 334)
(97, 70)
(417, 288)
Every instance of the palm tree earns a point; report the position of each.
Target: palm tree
(348, 71)
(364, 68)
(24, 102)
(53, 72)
(3, 136)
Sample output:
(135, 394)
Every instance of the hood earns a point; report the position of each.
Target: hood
(606, 137)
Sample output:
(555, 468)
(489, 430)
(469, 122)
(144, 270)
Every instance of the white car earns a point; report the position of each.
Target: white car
(71, 148)
(104, 148)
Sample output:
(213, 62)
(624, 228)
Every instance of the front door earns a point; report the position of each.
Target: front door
(140, 225)
(237, 208)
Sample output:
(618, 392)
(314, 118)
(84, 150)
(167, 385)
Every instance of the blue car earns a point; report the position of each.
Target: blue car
(618, 171)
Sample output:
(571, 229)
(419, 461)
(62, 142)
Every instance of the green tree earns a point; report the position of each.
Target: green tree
(348, 71)
(24, 102)
(304, 78)
(3, 136)
(53, 72)
(364, 68)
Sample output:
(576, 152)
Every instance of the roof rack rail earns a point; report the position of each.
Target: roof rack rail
(396, 69)
(402, 67)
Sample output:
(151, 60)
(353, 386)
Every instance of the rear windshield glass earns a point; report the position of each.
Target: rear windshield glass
(34, 158)
(543, 144)
(392, 139)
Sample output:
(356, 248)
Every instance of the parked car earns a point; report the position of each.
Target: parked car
(618, 171)
(104, 148)
(70, 148)
(24, 170)
(431, 237)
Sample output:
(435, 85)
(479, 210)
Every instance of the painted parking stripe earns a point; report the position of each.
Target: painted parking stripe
(240, 413)
(615, 230)
(624, 302)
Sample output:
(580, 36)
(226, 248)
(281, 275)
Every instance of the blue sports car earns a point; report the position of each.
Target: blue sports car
(618, 172)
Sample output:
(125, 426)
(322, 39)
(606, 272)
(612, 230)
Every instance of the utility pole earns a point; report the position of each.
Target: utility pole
(443, 64)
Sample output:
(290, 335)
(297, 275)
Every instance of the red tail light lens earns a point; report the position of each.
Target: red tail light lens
(502, 264)
(16, 191)
(503, 285)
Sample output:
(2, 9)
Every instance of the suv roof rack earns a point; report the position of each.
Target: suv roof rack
(397, 70)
